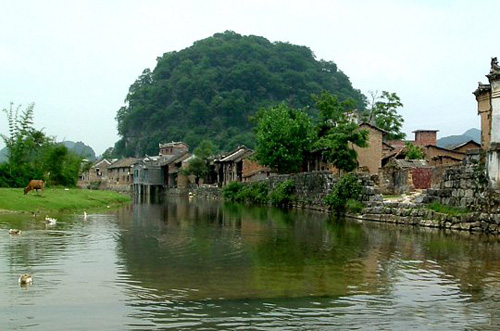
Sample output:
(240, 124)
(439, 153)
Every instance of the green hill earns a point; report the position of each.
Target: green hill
(212, 89)
(78, 148)
(449, 141)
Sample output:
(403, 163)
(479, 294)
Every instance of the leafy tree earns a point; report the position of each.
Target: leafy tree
(413, 152)
(32, 154)
(211, 89)
(283, 135)
(338, 132)
(199, 166)
(383, 113)
(62, 166)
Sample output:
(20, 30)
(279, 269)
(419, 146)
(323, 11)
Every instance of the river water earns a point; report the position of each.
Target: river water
(208, 265)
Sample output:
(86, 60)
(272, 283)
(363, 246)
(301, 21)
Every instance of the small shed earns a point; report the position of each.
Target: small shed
(403, 176)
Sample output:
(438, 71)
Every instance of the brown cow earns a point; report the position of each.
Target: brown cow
(35, 184)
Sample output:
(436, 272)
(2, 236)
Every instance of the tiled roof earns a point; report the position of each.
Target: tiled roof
(123, 163)
(411, 163)
(241, 151)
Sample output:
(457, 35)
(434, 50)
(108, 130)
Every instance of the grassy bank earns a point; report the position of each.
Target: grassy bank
(58, 199)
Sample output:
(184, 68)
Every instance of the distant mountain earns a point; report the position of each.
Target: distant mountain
(471, 134)
(80, 149)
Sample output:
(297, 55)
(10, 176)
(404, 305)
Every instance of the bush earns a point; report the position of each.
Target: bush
(282, 195)
(255, 193)
(231, 191)
(346, 189)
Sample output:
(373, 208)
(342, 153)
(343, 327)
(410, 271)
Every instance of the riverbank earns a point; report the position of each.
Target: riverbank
(58, 199)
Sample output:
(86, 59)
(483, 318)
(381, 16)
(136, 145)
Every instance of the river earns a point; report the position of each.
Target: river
(209, 265)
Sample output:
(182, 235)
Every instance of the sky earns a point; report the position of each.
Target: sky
(76, 59)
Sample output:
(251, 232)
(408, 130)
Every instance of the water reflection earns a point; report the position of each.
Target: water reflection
(205, 264)
(209, 265)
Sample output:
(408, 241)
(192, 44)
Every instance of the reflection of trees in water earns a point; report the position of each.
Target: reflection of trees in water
(236, 251)
(206, 249)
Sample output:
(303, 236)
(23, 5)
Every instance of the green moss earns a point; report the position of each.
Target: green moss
(448, 210)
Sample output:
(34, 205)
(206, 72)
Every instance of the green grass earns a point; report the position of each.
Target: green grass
(58, 199)
(453, 211)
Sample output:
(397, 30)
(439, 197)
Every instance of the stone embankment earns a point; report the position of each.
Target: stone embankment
(462, 187)
(416, 214)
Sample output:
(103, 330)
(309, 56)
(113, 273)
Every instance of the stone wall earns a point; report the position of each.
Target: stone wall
(312, 187)
(461, 186)
(412, 214)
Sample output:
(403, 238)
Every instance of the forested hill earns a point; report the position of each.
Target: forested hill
(211, 90)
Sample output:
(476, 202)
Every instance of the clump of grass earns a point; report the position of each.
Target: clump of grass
(354, 206)
(448, 210)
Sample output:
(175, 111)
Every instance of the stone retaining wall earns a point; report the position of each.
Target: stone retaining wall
(462, 186)
(412, 214)
(312, 187)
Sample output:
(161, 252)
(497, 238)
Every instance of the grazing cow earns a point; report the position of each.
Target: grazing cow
(35, 184)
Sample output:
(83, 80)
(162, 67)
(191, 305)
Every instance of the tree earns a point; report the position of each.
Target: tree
(383, 113)
(283, 136)
(34, 155)
(413, 152)
(338, 132)
(199, 166)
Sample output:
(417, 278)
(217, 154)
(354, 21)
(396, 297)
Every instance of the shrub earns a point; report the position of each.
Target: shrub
(347, 188)
(231, 191)
(255, 193)
(282, 195)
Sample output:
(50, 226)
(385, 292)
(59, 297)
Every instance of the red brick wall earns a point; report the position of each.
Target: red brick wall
(424, 138)
(421, 177)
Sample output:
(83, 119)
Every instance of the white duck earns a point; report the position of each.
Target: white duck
(14, 231)
(25, 279)
(50, 220)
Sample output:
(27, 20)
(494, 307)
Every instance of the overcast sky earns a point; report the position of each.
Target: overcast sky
(76, 59)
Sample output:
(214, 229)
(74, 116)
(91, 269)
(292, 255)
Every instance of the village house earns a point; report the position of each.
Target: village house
(465, 147)
(488, 107)
(229, 167)
(148, 178)
(370, 158)
(172, 167)
(96, 176)
(153, 174)
(427, 141)
(120, 174)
